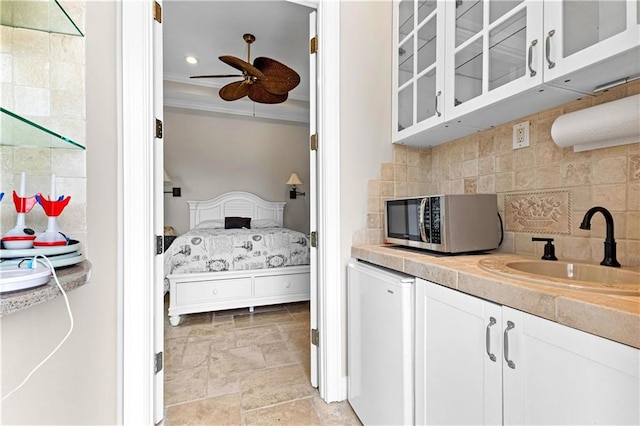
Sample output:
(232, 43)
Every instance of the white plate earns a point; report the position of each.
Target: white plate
(20, 279)
(47, 251)
(57, 261)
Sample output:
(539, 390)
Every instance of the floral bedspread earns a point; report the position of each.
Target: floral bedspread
(215, 250)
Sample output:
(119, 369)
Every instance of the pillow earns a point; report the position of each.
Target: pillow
(215, 223)
(264, 223)
(234, 222)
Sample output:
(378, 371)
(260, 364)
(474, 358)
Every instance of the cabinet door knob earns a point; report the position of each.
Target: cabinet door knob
(548, 48)
(510, 363)
(532, 72)
(492, 321)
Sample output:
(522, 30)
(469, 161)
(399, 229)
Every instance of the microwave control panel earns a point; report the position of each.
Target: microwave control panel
(432, 222)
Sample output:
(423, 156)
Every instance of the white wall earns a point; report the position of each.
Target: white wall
(207, 154)
(79, 384)
(365, 105)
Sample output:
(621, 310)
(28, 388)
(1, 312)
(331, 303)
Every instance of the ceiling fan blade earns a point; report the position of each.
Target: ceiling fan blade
(241, 65)
(280, 79)
(216, 76)
(258, 93)
(234, 91)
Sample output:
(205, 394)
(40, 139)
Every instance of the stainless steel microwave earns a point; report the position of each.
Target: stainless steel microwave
(444, 223)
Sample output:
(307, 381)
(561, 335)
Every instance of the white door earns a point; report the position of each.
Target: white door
(561, 375)
(158, 224)
(458, 357)
(600, 35)
(493, 51)
(313, 194)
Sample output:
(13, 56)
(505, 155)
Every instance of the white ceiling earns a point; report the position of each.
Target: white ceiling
(209, 29)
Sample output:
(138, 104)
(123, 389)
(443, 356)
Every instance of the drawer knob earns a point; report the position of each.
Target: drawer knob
(288, 284)
(214, 291)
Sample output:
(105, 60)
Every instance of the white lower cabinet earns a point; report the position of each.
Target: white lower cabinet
(478, 362)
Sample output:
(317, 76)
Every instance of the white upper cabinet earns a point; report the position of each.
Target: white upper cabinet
(589, 43)
(494, 52)
(418, 70)
(418, 64)
(465, 65)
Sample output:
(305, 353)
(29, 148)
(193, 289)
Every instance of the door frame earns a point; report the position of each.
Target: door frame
(137, 200)
(136, 207)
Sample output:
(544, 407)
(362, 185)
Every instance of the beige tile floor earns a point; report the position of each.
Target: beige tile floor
(237, 368)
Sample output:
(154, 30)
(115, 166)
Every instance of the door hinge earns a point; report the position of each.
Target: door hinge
(315, 336)
(313, 45)
(314, 239)
(159, 244)
(314, 142)
(157, 363)
(157, 12)
(158, 129)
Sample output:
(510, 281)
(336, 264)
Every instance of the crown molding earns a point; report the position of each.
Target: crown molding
(181, 92)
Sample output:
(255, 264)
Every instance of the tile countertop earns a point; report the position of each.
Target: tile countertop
(614, 317)
(70, 278)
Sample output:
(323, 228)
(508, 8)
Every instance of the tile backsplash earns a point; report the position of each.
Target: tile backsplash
(543, 190)
(43, 80)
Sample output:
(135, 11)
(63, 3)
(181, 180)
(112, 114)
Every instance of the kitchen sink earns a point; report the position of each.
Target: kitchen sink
(578, 276)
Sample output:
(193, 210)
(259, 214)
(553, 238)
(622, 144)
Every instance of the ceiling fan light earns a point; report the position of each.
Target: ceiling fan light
(191, 60)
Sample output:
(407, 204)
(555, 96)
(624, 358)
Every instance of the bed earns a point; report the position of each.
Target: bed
(210, 268)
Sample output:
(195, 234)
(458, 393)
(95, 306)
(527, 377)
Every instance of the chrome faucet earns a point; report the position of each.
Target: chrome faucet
(609, 242)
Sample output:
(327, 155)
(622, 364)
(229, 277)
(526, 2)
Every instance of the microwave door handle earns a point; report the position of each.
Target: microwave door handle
(423, 232)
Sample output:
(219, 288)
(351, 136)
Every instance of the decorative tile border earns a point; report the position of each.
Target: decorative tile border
(547, 212)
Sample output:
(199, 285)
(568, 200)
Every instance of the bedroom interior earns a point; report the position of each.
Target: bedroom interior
(230, 163)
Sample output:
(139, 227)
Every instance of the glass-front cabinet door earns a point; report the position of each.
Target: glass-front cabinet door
(602, 35)
(418, 66)
(494, 52)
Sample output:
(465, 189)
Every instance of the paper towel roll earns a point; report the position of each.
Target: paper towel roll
(610, 124)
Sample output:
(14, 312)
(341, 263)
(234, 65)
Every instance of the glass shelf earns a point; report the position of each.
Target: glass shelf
(48, 16)
(18, 131)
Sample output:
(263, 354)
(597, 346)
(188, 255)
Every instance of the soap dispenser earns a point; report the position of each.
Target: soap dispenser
(549, 248)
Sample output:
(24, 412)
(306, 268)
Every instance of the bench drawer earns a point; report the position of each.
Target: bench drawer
(208, 291)
(284, 284)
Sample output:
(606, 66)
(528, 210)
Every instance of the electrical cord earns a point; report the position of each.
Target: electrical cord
(48, 264)
(501, 230)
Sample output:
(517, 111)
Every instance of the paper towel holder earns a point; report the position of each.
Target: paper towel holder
(610, 124)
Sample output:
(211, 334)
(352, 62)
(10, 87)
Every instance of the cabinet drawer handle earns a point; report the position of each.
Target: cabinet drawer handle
(437, 98)
(548, 49)
(532, 72)
(510, 363)
(492, 321)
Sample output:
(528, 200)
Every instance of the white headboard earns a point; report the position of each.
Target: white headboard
(235, 203)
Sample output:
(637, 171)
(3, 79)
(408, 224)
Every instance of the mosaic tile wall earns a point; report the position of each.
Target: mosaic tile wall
(543, 190)
(42, 78)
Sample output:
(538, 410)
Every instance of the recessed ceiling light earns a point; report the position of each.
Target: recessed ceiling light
(191, 59)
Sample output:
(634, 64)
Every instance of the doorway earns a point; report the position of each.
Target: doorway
(241, 153)
(136, 338)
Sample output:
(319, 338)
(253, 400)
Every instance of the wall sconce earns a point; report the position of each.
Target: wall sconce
(177, 192)
(294, 180)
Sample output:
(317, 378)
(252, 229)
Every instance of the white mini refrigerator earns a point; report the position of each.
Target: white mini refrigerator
(380, 344)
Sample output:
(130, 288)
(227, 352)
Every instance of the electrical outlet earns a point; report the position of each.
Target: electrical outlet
(521, 135)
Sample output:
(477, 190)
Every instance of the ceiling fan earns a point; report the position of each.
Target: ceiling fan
(267, 81)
